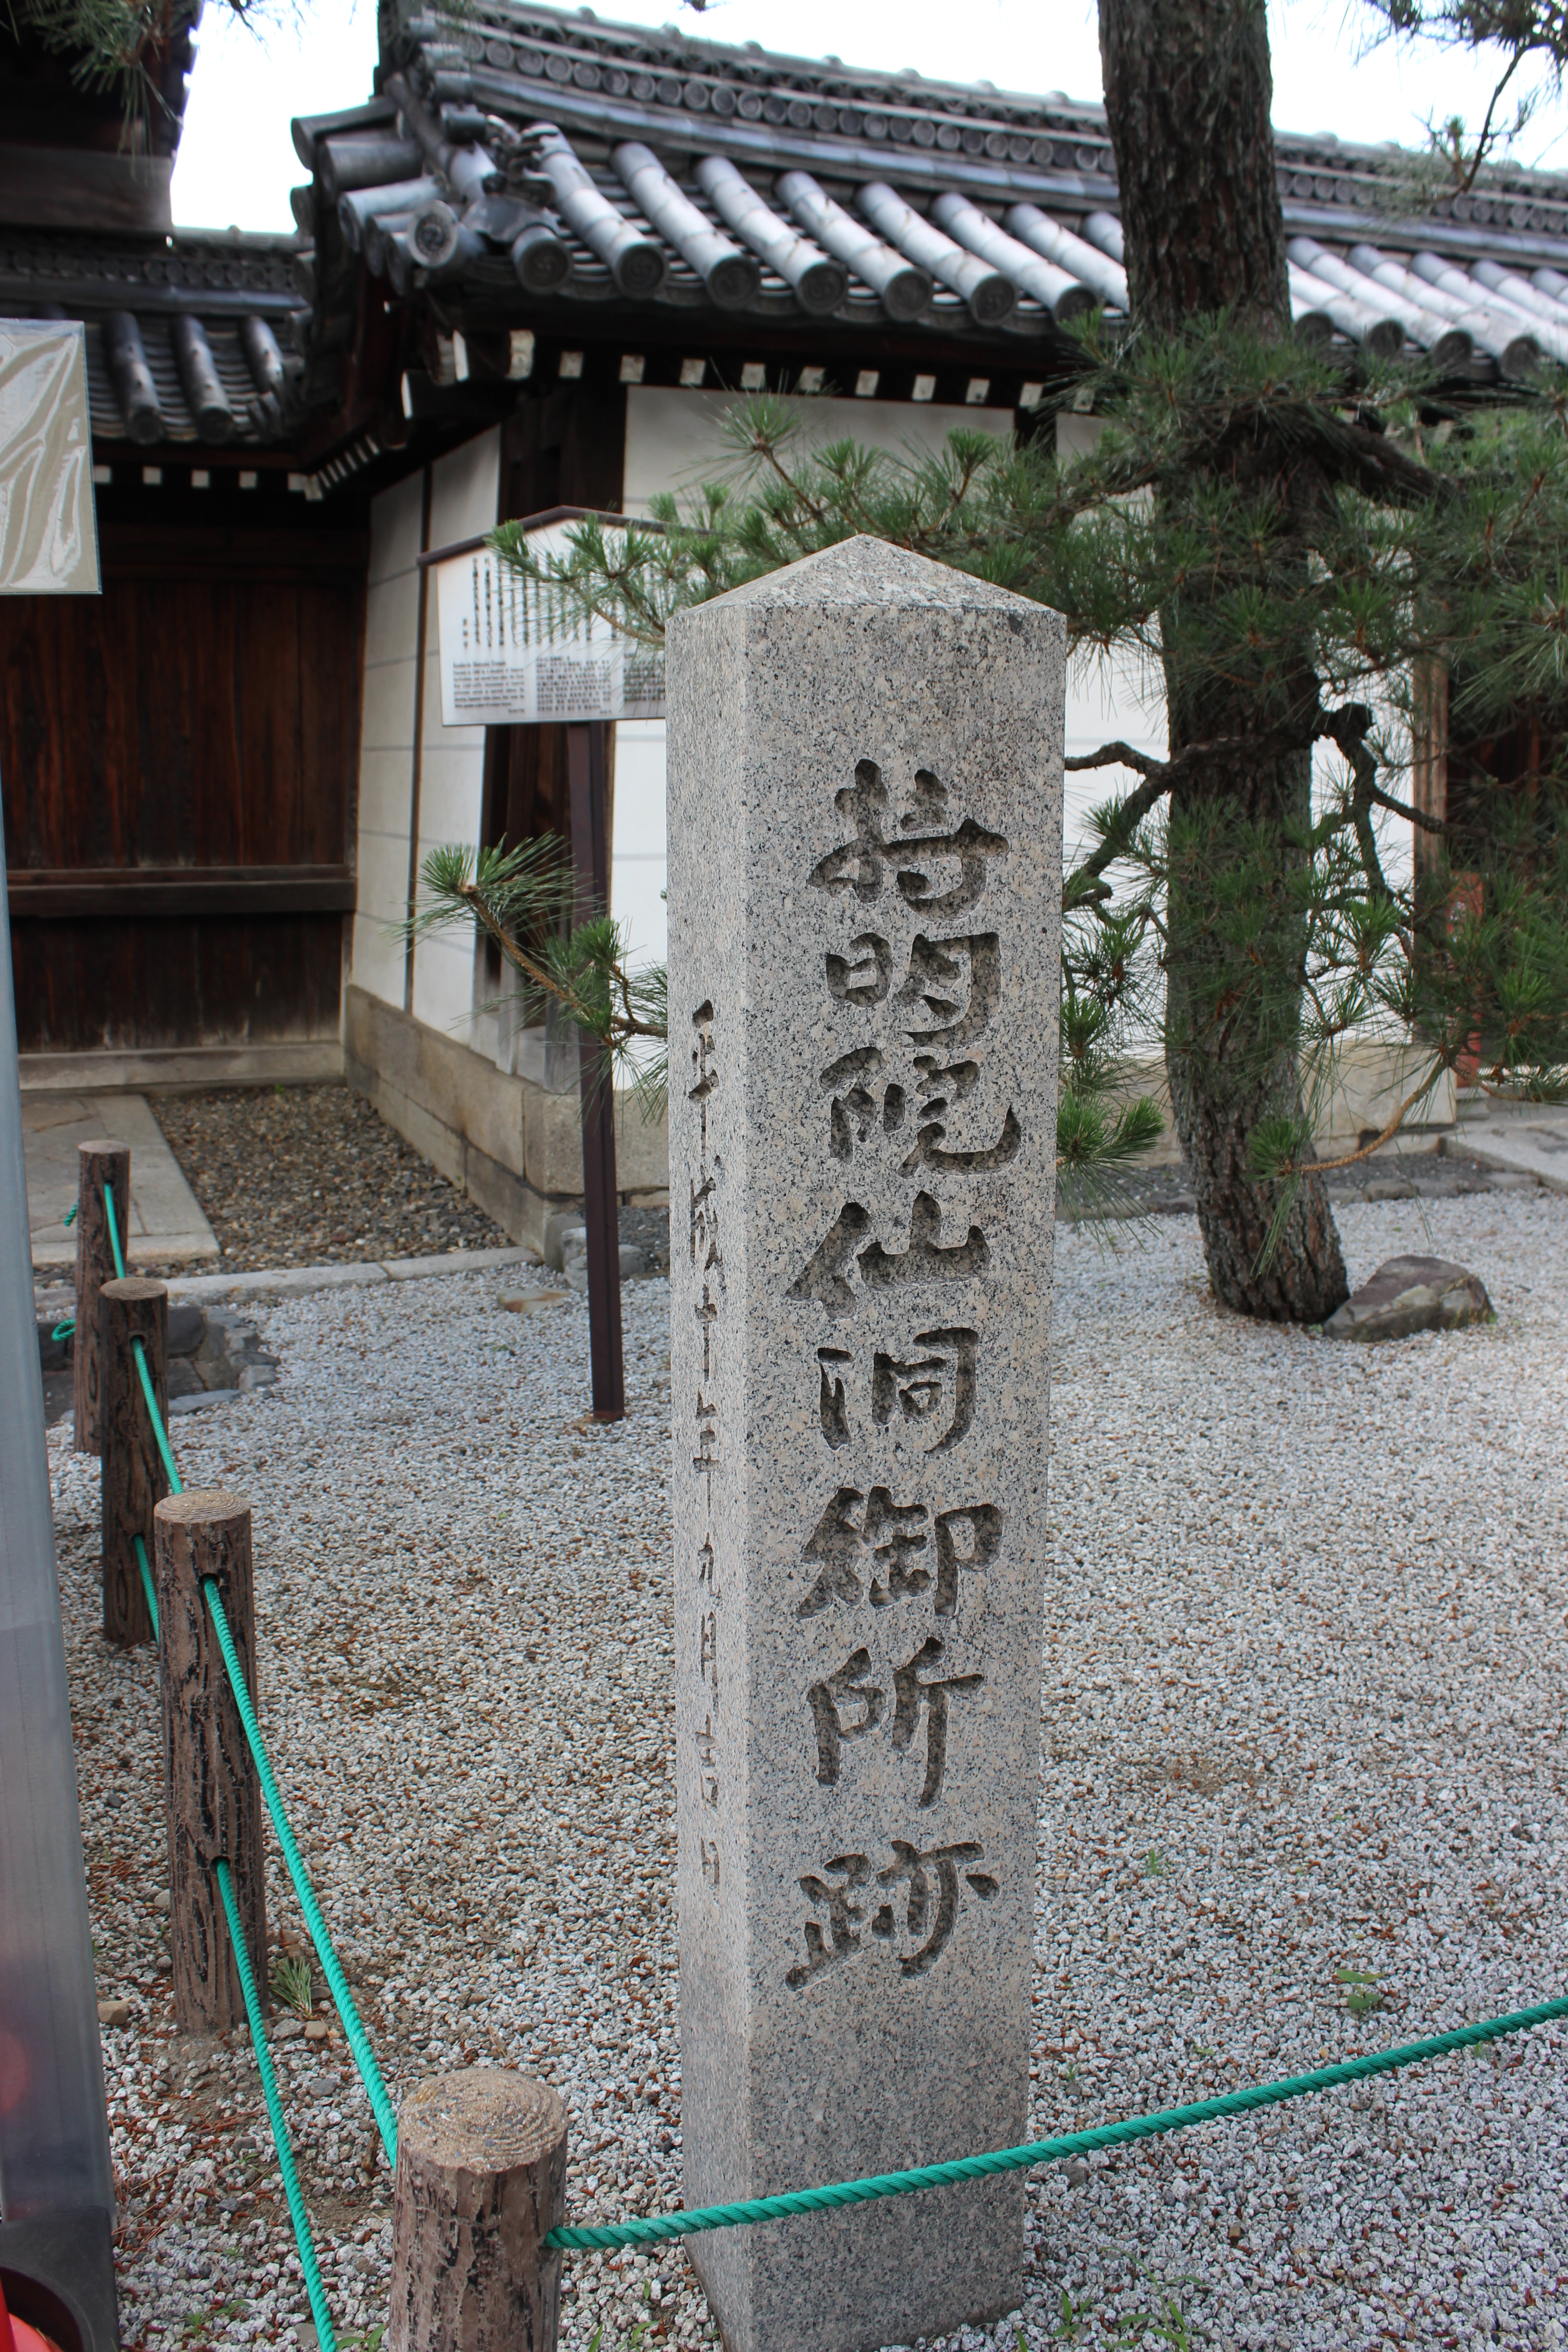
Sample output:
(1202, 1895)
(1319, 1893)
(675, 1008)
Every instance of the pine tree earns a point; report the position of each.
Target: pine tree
(1299, 544)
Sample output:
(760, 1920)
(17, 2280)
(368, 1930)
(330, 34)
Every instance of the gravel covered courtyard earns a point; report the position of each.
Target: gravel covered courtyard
(1303, 1720)
(313, 1176)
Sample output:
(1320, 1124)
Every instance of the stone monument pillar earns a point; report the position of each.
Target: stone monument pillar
(865, 842)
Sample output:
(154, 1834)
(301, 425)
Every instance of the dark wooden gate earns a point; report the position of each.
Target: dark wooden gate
(179, 760)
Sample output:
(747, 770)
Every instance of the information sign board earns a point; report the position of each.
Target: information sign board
(512, 656)
(48, 545)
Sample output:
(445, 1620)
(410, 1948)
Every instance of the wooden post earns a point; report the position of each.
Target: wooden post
(214, 1796)
(133, 1475)
(99, 1164)
(587, 764)
(481, 2179)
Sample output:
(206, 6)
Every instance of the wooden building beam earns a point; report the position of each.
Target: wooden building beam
(82, 894)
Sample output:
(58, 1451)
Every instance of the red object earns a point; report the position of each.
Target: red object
(15, 2336)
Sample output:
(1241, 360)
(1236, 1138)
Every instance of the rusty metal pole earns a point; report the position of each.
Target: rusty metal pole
(587, 766)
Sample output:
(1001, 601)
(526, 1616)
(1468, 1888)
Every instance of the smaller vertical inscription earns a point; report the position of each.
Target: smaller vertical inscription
(706, 1268)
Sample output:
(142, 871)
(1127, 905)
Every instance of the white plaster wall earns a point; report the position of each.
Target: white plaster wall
(674, 443)
(387, 739)
(1107, 701)
(637, 864)
(465, 493)
(1112, 701)
(673, 439)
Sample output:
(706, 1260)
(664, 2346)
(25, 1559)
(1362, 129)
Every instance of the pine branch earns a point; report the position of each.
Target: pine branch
(1386, 1135)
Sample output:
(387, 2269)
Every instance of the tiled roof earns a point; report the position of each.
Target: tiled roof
(535, 166)
(189, 338)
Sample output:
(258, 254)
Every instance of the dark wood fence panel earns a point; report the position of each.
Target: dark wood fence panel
(252, 980)
(192, 739)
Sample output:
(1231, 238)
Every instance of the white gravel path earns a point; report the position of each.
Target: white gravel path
(1303, 1712)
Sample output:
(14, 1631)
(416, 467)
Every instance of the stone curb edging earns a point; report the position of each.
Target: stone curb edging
(298, 1281)
(1515, 1161)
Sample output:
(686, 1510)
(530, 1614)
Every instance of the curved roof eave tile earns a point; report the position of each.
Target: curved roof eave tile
(595, 85)
(692, 88)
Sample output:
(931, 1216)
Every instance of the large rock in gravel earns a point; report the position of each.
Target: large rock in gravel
(1411, 1293)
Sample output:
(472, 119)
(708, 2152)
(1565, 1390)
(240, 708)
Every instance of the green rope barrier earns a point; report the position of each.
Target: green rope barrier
(331, 1968)
(139, 1352)
(147, 1583)
(70, 1217)
(662, 2226)
(296, 2213)
(1046, 2151)
(113, 1231)
(65, 1329)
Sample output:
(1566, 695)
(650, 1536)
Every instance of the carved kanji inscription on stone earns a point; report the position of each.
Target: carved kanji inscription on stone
(912, 1903)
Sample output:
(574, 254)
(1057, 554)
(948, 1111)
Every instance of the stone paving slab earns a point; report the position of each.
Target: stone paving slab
(165, 1220)
(298, 1281)
(1532, 1140)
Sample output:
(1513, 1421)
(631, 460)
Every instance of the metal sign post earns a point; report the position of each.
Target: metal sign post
(511, 656)
(57, 2181)
(587, 761)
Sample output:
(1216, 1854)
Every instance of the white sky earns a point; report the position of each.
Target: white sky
(236, 161)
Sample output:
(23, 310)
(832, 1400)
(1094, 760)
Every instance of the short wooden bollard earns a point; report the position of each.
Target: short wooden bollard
(213, 1795)
(133, 1475)
(481, 2179)
(99, 1164)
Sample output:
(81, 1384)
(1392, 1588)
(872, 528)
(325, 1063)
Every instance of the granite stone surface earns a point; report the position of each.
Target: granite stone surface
(865, 843)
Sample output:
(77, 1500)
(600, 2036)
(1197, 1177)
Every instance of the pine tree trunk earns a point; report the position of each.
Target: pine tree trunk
(1188, 92)
(1188, 95)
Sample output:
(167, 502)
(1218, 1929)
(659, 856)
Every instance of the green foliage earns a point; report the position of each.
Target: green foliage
(113, 45)
(116, 48)
(289, 1979)
(1071, 2321)
(1166, 2324)
(1365, 1995)
(1521, 39)
(523, 897)
(119, 49)
(200, 2323)
(1297, 552)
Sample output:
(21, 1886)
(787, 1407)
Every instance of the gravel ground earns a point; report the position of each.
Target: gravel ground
(313, 1176)
(1303, 1713)
(1427, 1173)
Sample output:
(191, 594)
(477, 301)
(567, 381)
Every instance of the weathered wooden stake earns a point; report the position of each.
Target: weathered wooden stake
(214, 1796)
(480, 2180)
(99, 1163)
(133, 1475)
